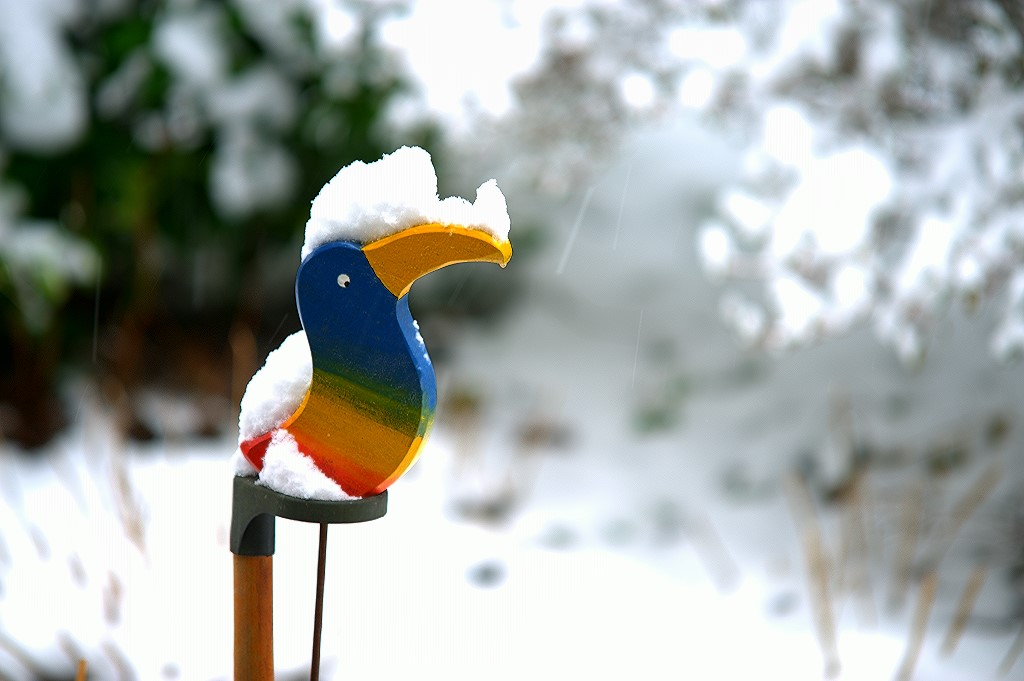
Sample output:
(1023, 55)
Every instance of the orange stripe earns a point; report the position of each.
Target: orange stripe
(360, 453)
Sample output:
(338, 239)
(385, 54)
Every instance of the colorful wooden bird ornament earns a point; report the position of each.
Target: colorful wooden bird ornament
(371, 396)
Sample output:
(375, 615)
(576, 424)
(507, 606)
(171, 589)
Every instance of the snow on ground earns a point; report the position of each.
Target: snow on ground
(654, 537)
(599, 575)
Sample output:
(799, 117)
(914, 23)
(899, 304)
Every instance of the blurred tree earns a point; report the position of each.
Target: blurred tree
(157, 160)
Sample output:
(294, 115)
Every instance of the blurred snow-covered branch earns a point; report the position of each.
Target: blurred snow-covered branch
(882, 149)
(882, 181)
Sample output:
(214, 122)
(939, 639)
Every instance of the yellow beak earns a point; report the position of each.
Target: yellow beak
(402, 258)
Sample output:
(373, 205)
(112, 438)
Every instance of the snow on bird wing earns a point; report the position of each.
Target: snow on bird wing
(277, 390)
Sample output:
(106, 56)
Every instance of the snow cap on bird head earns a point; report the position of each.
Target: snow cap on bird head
(367, 201)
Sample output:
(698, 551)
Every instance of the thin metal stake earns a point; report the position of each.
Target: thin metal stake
(318, 613)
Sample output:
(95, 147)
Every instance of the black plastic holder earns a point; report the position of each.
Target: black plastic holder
(254, 508)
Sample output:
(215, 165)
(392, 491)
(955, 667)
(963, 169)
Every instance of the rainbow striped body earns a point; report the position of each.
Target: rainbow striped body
(373, 395)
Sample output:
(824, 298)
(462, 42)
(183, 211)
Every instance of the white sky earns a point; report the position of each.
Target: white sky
(460, 67)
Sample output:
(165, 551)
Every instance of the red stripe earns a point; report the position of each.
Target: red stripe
(256, 448)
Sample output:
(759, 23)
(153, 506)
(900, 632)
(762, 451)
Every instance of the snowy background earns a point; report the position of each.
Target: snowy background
(745, 404)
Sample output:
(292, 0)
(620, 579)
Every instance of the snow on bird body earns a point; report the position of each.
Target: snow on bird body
(342, 408)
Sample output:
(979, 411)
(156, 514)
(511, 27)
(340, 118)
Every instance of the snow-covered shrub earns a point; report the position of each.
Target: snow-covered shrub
(881, 148)
(882, 173)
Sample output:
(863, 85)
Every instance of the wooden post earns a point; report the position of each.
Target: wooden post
(254, 618)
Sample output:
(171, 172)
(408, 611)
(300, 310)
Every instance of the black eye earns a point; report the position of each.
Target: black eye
(343, 280)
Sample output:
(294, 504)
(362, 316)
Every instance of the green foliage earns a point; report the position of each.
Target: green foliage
(184, 187)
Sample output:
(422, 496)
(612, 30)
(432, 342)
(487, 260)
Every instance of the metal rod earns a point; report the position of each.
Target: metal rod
(318, 612)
